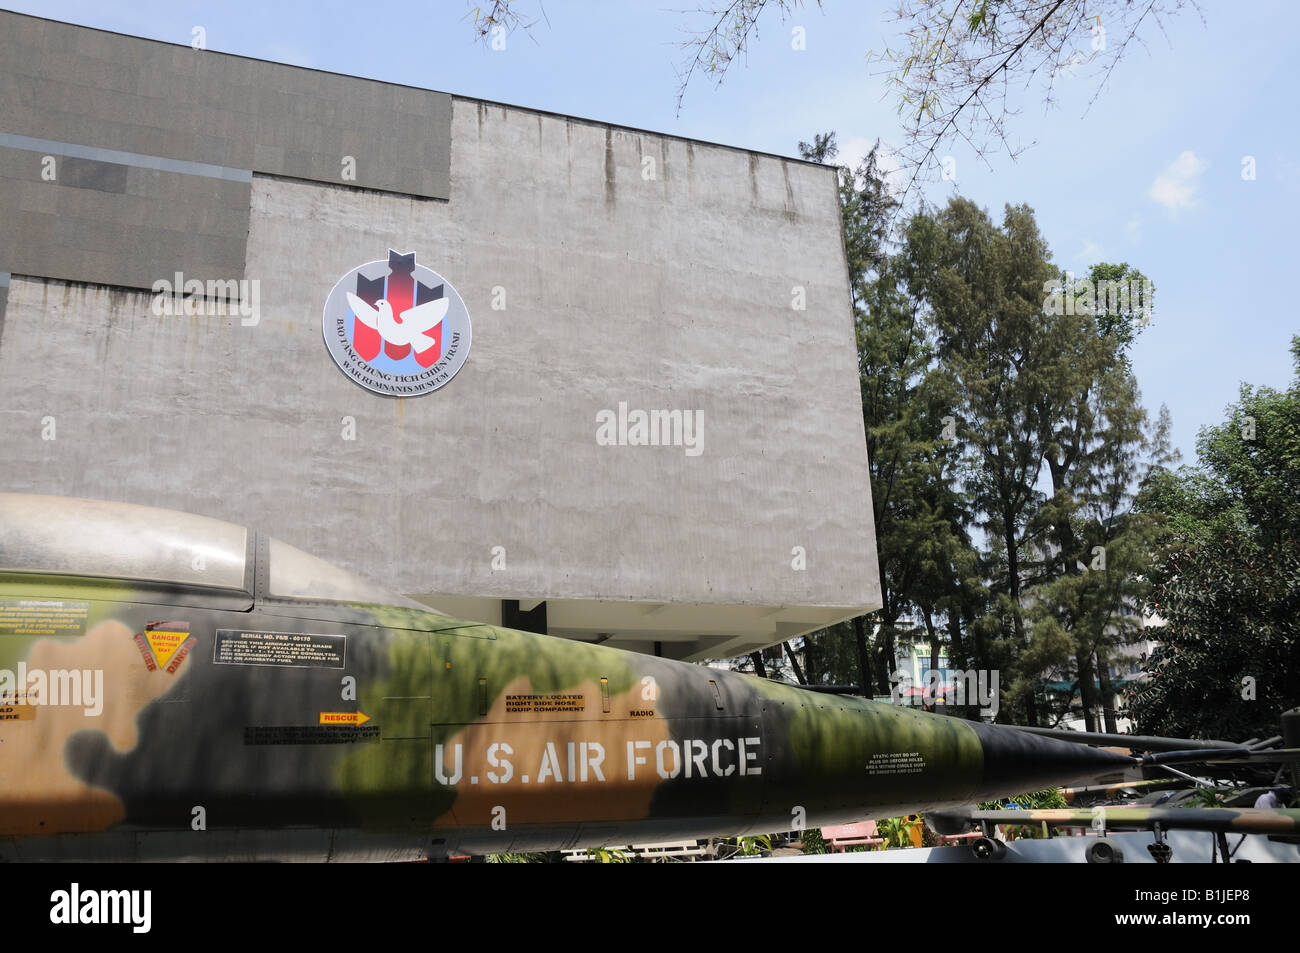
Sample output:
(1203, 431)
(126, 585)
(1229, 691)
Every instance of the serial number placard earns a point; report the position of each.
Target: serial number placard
(294, 649)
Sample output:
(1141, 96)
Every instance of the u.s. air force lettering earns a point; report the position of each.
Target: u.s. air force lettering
(586, 761)
(396, 328)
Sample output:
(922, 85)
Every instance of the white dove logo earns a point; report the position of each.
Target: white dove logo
(396, 327)
(407, 328)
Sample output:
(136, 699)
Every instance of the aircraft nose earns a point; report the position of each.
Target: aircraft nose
(1016, 762)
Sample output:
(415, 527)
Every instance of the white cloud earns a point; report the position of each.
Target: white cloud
(1175, 187)
(855, 148)
(1133, 228)
(1090, 251)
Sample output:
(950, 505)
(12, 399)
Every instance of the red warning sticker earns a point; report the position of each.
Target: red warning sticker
(164, 645)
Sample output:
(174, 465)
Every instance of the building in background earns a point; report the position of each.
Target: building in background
(175, 222)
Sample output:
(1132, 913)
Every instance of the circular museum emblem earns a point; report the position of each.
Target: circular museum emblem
(396, 327)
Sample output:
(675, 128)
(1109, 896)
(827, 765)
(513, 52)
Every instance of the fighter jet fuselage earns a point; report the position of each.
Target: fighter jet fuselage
(191, 689)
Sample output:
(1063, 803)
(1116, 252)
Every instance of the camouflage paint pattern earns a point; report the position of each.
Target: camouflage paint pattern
(468, 738)
(1111, 791)
(1243, 820)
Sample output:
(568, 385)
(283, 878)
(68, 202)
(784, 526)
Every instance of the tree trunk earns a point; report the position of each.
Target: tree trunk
(933, 633)
(889, 660)
(956, 651)
(1017, 623)
(1107, 697)
(864, 656)
(794, 663)
(957, 656)
(810, 661)
(1087, 690)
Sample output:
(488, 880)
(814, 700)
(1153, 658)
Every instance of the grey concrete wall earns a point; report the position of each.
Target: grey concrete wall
(668, 292)
(154, 145)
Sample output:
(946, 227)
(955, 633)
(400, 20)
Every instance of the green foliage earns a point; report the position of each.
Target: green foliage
(517, 858)
(834, 656)
(955, 60)
(712, 50)
(609, 855)
(1226, 578)
(1047, 799)
(812, 841)
(894, 832)
(1204, 797)
(925, 555)
(1036, 390)
(754, 845)
(972, 389)
(897, 831)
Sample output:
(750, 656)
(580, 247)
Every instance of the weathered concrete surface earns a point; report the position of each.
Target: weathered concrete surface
(114, 217)
(673, 291)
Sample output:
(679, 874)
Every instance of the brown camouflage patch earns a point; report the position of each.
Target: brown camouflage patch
(41, 796)
(544, 741)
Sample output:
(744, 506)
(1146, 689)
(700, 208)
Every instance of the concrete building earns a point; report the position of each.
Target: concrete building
(176, 220)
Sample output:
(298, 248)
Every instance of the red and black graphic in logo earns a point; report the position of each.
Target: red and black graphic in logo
(396, 327)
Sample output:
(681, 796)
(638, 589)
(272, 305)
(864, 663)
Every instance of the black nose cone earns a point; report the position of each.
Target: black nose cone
(1016, 761)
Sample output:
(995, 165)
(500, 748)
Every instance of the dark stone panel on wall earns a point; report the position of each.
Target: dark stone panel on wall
(153, 145)
(111, 224)
(75, 84)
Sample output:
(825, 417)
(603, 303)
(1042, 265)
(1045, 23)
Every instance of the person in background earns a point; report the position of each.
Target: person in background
(1278, 797)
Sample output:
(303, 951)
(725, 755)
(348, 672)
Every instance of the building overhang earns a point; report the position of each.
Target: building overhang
(691, 633)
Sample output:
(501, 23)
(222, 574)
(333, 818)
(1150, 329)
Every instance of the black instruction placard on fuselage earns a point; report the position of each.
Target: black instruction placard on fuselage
(294, 649)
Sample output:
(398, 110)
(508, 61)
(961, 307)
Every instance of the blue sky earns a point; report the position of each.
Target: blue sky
(1151, 174)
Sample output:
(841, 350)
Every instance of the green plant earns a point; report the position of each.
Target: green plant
(812, 841)
(516, 859)
(894, 832)
(1047, 799)
(609, 855)
(1204, 797)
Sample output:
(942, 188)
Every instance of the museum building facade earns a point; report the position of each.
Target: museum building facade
(527, 368)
